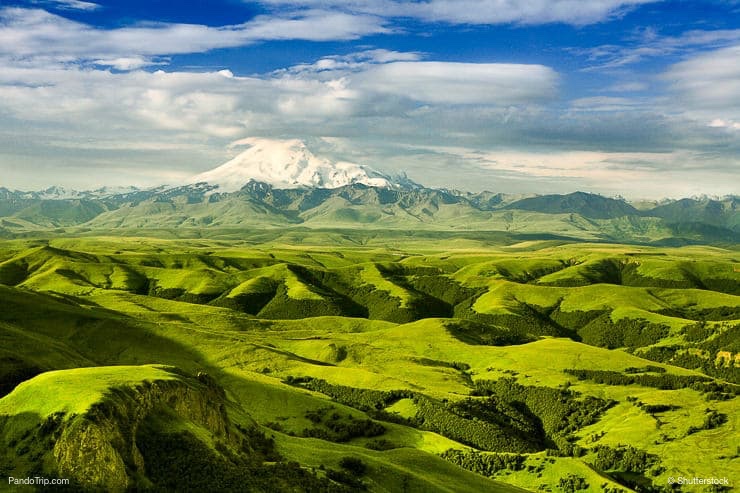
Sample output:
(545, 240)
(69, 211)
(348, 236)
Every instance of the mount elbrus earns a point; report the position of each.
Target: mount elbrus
(281, 183)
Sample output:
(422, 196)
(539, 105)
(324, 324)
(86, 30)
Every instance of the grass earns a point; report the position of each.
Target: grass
(702, 454)
(69, 303)
(392, 469)
(369, 274)
(552, 470)
(404, 408)
(74, 391)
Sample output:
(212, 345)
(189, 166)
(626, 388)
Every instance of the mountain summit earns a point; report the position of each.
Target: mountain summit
(287, 164)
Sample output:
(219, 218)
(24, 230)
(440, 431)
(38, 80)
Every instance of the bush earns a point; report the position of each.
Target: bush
(624, 459)
(173, 460)
(335, 427)
(625, 332)
(712, 420)
(347, 479)
(380, 444)
(572, 483)
(353, 465)
(663, 381)
(510, 418)
(485, 464)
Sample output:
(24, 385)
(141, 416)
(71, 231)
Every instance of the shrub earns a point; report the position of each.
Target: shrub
(354, 465)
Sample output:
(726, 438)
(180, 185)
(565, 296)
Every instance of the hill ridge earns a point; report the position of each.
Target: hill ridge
(579, 215)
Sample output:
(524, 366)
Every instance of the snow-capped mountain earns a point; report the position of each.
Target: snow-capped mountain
(61, 193)
(287, 164)
(57, 192)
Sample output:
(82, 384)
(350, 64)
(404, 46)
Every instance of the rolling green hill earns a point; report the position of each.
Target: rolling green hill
(476, 363)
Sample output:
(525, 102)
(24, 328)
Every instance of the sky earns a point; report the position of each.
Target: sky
(638, 98)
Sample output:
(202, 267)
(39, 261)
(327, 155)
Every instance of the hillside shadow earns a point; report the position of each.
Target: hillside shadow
(100, 335)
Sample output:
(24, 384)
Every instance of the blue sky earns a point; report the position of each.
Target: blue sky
(633, 97)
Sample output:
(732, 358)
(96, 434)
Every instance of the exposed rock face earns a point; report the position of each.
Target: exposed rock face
(86, 453)
(98, 449)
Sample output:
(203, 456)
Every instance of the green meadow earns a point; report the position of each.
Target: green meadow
(341, 361)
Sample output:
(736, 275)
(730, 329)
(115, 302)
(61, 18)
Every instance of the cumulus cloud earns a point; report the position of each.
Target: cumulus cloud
(222, 104)
(76, 97)
(492, 125)
(371, 92)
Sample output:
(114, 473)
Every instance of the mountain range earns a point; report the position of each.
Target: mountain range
(283, 184)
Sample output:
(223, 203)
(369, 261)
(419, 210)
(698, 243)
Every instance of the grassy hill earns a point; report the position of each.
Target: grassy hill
(384, 363)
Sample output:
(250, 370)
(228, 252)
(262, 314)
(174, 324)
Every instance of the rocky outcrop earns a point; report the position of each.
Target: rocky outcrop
(98, 449)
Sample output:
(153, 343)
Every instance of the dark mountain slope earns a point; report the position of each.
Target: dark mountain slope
(578, 215)
(721, 213)
(587, 205)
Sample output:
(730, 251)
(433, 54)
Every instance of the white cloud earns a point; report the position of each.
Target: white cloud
(719, 123)
(594, 165)
(221, 105)
(37, 34)
(708, 85)
(61, 106)
(636, 174)
(394, 76)
(127, 63)
(74, 4)
(479, 12)
(393, 81)
(649, 44)
(349, 63)
(530, 12)
(462, 83)
(709, 80)
(605, 103)
(631, 86)
(336, 95)
(313, 25)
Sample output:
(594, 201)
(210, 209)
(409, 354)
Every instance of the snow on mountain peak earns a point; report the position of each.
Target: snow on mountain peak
(56, 192)
(286, 164)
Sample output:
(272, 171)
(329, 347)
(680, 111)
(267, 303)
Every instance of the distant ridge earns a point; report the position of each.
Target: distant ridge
(578, 216)
(722, 212)
(586, 204)
(282, 184)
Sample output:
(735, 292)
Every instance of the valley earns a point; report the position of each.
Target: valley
(339, 360)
